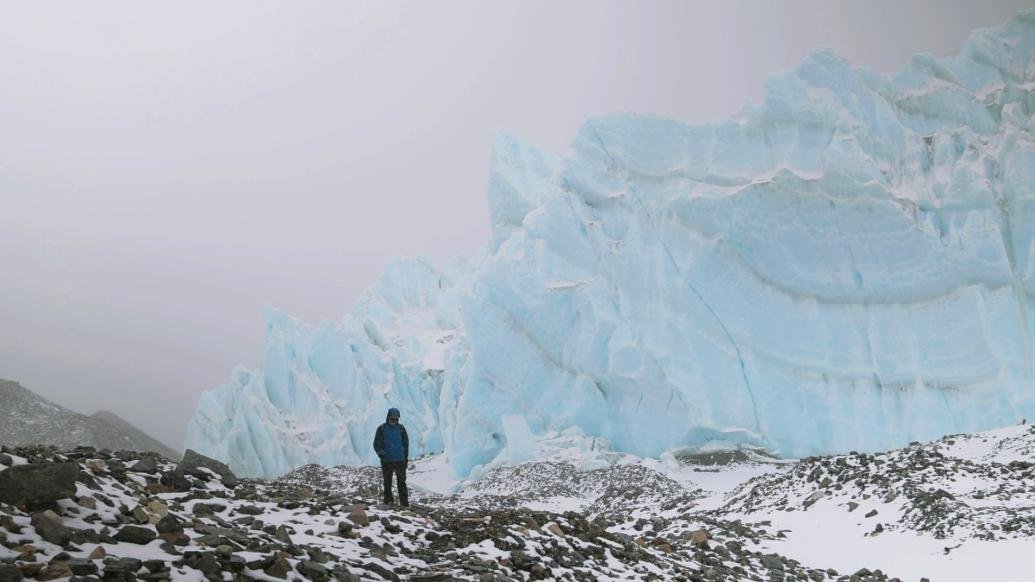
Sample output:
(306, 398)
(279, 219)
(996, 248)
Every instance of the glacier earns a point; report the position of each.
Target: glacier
(847, 265)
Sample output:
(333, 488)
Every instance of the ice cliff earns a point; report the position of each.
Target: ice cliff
(846, 266)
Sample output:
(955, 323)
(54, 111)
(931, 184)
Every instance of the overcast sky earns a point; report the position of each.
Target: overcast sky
(169, 169)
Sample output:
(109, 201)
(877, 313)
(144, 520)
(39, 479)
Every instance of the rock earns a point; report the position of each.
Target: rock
(387, 574)
(147, 464)
(852, 506)
(237, 536)
(282, 534)
(772, 561)
(136, 535)
(85, 536)
(207, 540)
(7, 522)
(278, 568)
(317, 555)
(97, 466)
(812, 499)
(88, 480)
(342, 574)
(663, 545)
(131, 564)
(30, 570)
(206, 563)
(38, 486)
(26, 552)
(87, 502)
(156, 510)
(175, 480)
(169, 524)
(358, 515)
(54, 571)
(98, 553)
(313, 570)
(555, 529)
(6, 460)
(432, 577)
(699, 537)
(140, 515)
(50, 527)
(10, 573)
(193, 461)
(872, 513)
(124, 569)
(81, 566)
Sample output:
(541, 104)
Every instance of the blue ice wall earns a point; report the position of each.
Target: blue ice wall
(846, 266)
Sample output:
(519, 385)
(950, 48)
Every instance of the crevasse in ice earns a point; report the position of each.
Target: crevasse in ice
(846, 266)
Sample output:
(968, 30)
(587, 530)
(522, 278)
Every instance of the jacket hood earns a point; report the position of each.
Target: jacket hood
(392, 412)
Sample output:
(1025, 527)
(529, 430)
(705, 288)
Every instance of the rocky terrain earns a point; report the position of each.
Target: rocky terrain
(958, 488)
(86, 514)
(26, 418)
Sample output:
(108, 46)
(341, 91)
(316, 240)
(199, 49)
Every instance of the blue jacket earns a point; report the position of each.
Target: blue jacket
(391, 443)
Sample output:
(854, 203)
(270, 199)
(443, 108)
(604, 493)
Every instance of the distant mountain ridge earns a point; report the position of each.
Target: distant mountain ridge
(27, 418)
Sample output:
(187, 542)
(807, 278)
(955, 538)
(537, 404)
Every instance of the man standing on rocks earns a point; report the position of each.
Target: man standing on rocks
(392, 445)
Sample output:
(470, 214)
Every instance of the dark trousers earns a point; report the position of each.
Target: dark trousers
(388, 468)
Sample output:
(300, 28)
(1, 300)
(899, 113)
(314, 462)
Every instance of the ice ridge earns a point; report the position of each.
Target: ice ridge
(846, 266)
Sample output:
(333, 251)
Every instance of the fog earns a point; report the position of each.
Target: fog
(167, 170)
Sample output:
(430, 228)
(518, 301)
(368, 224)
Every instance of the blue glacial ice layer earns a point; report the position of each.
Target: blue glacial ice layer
(846, 266)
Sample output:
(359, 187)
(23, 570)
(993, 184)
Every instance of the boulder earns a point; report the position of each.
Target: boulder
(54, 571)
(38, 486)
(169, 524)
(699, 537)
(7, 522)
(82, 566)
(148, 463)
(50, 527)
(157, 511)
(312, 570)
(136, 535)
(282, 535)
(193, 461)
(358, 515)
(10, 573)
(278, 568)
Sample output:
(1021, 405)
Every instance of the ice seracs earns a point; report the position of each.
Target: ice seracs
(847, 265)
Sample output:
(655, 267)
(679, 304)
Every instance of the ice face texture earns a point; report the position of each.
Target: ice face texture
(846, 266)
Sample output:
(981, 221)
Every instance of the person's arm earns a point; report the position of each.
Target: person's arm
(406, 444)
(379, 442)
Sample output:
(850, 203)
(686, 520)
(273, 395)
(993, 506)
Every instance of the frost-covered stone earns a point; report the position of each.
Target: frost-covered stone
(847, 265)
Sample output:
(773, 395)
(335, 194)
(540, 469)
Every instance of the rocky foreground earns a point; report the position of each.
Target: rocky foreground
(86, 514)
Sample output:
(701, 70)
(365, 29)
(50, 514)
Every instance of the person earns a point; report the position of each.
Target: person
(392, 445)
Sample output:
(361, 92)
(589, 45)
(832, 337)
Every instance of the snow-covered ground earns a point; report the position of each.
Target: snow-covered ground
(953, 509)
(959, 508)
